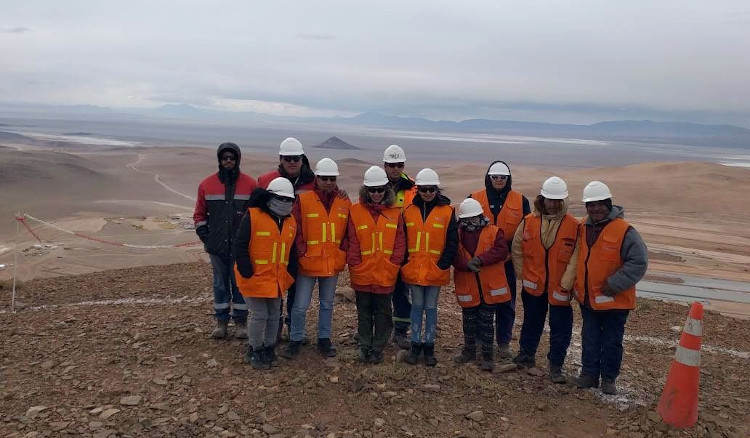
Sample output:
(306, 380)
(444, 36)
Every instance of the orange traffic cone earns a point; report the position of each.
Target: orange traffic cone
(678, 405)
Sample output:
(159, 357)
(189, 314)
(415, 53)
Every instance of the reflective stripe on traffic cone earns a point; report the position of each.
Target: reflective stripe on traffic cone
(678, 405)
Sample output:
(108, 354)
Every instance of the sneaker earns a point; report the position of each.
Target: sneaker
(257, 358)
(487, 363)
(504, 351)
(467, 355)
(413, 357)
(609, 387)
(376, 357)
(584, 381)
(524, 360)
(401, 341)
(220, 332)
(326, 348)
(292, 350)
(556, 375)
(363, 355)
(240, 330)
(429, 355)
(273, 360)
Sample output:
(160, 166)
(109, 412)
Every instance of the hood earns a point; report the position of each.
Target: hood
(488, 183)
(616, 212)
(539, 210)
(228, 177)
(259, 199)
(388, 200)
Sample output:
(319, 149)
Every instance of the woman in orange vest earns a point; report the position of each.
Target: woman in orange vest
(505, 208)
(375, 248)
(544, 253)
(261, 249)
(479, 276)
(612, 258)
(321, 216)
(432, 241)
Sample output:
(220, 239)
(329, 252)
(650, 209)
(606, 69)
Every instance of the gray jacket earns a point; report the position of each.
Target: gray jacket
(633, 253)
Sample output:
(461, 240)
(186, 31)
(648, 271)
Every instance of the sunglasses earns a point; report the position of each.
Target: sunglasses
(290, 158)
(394, 165)
(376, 189)
(499, 177)
(283, 198)
(428, 189)
(228, 157)
(327, 178)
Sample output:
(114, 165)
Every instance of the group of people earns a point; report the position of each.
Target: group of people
(296, 228)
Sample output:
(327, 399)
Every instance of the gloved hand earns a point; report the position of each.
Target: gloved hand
(606, 290)
(474, 264)
(244, 267)
(443, 266)
(202, 233)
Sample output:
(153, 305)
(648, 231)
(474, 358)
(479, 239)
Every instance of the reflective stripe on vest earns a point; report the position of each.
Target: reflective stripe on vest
(494, 285)
(425, 243)
(510, 215)
(322, 231)
(376, 242)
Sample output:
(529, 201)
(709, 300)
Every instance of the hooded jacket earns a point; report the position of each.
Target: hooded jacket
(221, 203)
(304, 182)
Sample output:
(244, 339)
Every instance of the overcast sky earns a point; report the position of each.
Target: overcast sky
(531, 59)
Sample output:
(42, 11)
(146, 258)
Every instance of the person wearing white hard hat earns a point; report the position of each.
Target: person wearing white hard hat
(221, 202)
(375, 247)
(322, 216)
(479, 277)
(394, 164)
(612, 258)
(262, 250)
(432, 242)
(544, 253)
(505, 208)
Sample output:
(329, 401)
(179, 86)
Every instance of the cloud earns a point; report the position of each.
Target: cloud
(316, 36)
(19, 29)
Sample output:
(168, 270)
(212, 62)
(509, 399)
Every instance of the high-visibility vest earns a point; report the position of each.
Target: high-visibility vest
(425, 242)
(322, 232)
(269, 254)
(404, 198)
(510, 215)
(543, 268)
(376, 242)
(598, 263)
(492, 278)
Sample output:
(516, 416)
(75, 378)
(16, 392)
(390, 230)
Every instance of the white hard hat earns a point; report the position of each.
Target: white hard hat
(470, 207)
(596, 191)
(282, 187)
(499, 169)
(375, 177)
(290, 147)
(394, 154)
(427, 177)
(326, 167)
(554, 188)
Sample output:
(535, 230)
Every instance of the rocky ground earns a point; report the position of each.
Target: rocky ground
(127, 353)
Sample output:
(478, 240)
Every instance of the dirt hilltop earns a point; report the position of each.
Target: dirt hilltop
(127, 353)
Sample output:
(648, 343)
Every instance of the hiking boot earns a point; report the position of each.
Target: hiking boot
(220, 332)
(524, 360)
(292, 350)
(504, 351)
(363, 355)
(326, 348)
(556, 375)
(240, 330)
(429, 355)
(413, 357)
(376, 357)
(487, 363)
(305, 341)
(609, 387)
(401, 341)
(257, 358)
(584, 381)
(467, 355)
(271, 357)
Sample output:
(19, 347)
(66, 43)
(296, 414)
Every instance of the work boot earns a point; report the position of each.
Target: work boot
(429, 355)
(376, 357)
(363, 355)
(609, 387)
(240, 330)
(220, 332)
(524, 360)
(468, 354)
(271, 357)
(401, 341)
(305, 341)
(413, 357)
(326, 348)
(257, 358)
(487, 363)
(585, 381)
(556, 375)
(504, 351)
(292, 350)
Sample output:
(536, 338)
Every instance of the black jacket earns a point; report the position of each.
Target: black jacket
(451, 235)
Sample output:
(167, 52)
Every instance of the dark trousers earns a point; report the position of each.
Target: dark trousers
(478, 323)
(292, 268)
(374, 320)
(602, 335)
(560, 327)
(506, 312)
(401, 306)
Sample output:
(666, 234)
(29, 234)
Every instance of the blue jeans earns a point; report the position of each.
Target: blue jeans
(602, 335)
(226, 293)
(560, 327)
(506, 312)
(424, 300)
(326, 292)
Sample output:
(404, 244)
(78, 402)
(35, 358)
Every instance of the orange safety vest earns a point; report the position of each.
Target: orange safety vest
(404, 198)
(376, 242)
(598, 263)
(492, 278)
(269, 254)
(543, 268)
(510, 215)
(323, 231)
(425, 242)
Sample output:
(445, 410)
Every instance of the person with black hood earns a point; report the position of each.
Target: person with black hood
(262, 248)
(294, 166)
(432, 243)
(221, 202)
(505, 208)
